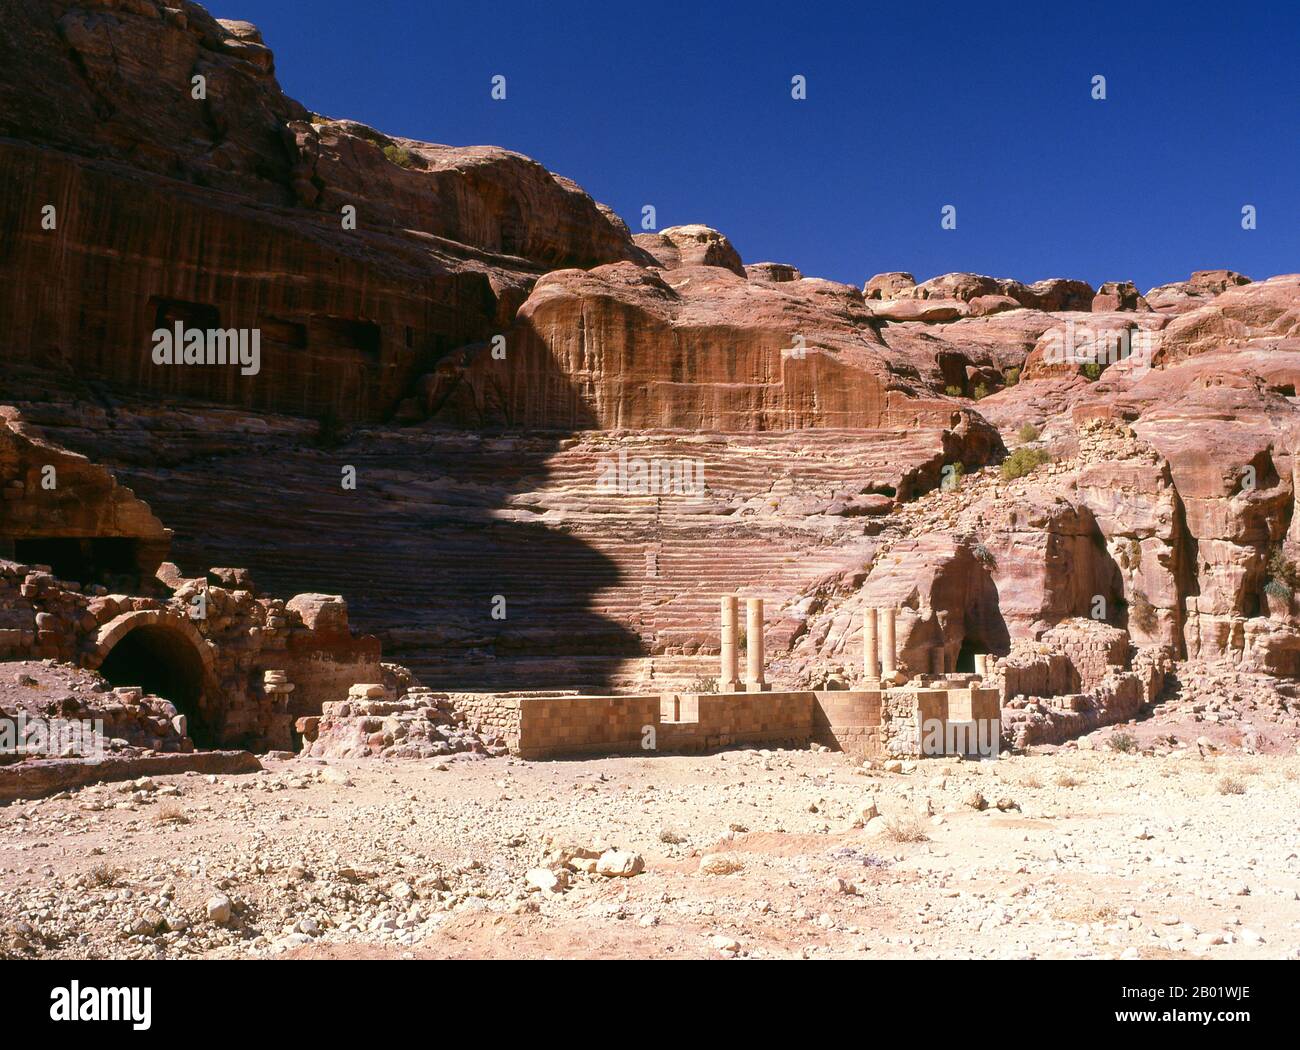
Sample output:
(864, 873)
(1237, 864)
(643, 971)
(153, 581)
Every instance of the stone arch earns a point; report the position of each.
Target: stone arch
(164, 654)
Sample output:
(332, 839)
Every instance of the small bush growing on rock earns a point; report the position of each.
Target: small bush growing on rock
(1230, 786)
(1092, 370)
(1124, 743)
(1027, 433)
(1142, 613)
(702, 685)
(1283, 578)
(669, 837)
(984, 556)
(1278, 589)
(1011, 376)
(1067, 780)
(399, 156)
(1023, 461)
(953, 390)
(981, 391)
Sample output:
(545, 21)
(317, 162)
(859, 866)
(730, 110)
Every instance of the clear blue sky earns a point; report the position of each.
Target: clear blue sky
(687, 106)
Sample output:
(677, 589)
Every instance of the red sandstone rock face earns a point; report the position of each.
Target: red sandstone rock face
(481, 196)
(446, 244)
(1118, 295)
(1052, 294)
(693, 245)
(889, 285)
(698, 348)
(823, 415)
(58, 506)
(776, 273)
(1260, 313)
(1075, 341)
(115, 80)
(1181, 296)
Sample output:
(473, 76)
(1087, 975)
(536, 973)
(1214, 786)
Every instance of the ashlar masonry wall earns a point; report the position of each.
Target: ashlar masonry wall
(864, 723)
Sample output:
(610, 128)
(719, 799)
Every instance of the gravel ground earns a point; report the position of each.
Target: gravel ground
(1094, 853)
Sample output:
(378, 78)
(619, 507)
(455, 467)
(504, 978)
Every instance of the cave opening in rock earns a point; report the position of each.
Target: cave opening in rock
(162, 661)
(85, 559)
(966, 655)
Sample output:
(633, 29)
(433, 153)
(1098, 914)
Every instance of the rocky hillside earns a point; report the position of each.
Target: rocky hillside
(497, 357)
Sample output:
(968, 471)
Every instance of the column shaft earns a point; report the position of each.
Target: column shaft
(729, 673)
(888, 644)
(754, 642)
(870, 645)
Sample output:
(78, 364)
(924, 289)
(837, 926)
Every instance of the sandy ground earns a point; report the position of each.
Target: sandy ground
(1109, 854)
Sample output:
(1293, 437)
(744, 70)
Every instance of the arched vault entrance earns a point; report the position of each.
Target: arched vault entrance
(165, 656)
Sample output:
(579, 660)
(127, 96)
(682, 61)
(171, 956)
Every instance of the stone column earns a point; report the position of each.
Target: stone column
(938, 658)
(729, 674)
(277, 725)
(277, 687)
(870, 645)
(981, 664)
(888, 644)
(754, 644)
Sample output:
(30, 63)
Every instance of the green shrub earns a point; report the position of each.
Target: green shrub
(1027, 433)
(981, 391)
(1011, 376)
(1282, 573)
(702, 685)
(1122, 742)
(1279, 590)
(1023, 461)
(953, 390)
(1142, 613)
(399, 156)
(1092, 370)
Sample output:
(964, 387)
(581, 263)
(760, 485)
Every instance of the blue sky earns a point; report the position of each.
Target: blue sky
(687, 106)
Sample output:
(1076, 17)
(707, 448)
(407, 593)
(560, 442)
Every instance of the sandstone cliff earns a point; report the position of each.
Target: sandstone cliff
(487, 343)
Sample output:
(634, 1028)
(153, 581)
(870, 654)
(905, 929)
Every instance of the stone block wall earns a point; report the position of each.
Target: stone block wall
(1118, 697)
(712, 720)
(1092, 648)
(849, 720)
(322, 669)
(492, 715)
(863, 723)
(556, 726)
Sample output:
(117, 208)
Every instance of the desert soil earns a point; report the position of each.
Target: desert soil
(1191, 852)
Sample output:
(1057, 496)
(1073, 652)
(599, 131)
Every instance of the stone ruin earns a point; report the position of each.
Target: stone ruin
(197, 662)
(859, 481)
(890, 715)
